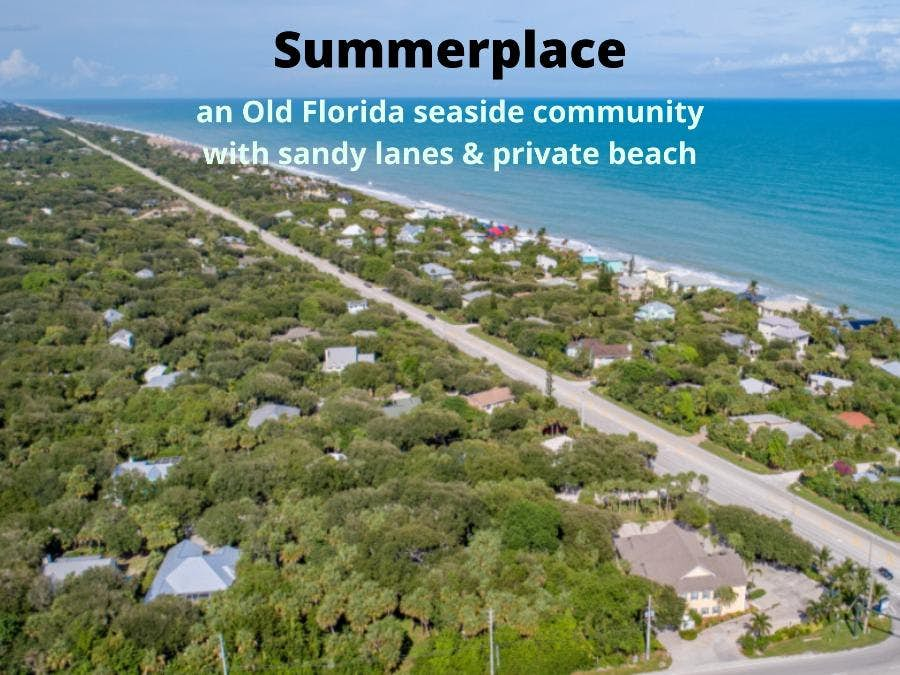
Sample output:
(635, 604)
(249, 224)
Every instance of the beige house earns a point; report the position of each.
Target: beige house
(491, 399)
(669, 554)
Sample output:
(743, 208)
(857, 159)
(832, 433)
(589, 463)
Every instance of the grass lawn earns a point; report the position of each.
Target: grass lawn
(659, 660)
(833, 638)
(736, 459)
(838, 510)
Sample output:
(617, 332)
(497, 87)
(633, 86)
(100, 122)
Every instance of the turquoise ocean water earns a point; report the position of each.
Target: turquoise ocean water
(803, 196)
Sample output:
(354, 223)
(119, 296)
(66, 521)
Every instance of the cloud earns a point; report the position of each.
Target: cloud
(16, 68)
(674, 33)
(18, 27)
(868, 48)
(90, 73)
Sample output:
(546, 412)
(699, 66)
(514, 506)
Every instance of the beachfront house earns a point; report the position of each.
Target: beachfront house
(655, 311)
(336, 213)
(545, 262)
(671, 555)
(785, 304)
(436, 272)
(794, 430)
(599, 354)
(752, 386)
(819, 384)
(357, 306)
(589, 258)
(743, 344)
(189, 572)
(631, 287)
(338, 358)
(488, 401)
(783, 328)
(270, 412)
(503, 246)
(344, 198)
(657, 278)
(613, 266)
(57, 571)
(122, 338)
(469, 298)
(153, 470)
(473, 236)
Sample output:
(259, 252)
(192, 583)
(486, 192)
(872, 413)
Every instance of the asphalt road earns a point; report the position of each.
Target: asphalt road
(728, 484)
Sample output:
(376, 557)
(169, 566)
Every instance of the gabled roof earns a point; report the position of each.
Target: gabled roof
(188, 571)
(855, 420)
(753, 386)
(491, 397)
(270, 411)
(58, 570)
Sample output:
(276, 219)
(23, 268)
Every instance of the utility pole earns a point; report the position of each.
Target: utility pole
(491, 638)
(871, 592)
(648, 615)
(222, 655)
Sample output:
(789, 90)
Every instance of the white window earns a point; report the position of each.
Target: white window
(695, 595)
(707, 595)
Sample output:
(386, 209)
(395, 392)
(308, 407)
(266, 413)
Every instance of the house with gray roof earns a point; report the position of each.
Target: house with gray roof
(742, 343)
(122, 338)
(752, 386)
(151, 470)
(783, 328)
(437, 272)
(401, 406)
(794, 430)
(891, 368)
(674, 556)
(820, 384)
(191, 573)
(112, 316)
(270, 411)
(655, 311)
(409, 234)
(61, 569)
(145, 273)
(468, 298)
(357, 306)
(338, 358)
(16, 242)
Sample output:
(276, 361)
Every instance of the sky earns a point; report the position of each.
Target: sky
(193, 48)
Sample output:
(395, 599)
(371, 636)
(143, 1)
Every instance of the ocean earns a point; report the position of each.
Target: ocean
(801, 196)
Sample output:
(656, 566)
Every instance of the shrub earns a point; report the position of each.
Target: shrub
(689, 634)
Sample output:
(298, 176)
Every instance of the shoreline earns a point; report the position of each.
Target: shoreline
(705, 277)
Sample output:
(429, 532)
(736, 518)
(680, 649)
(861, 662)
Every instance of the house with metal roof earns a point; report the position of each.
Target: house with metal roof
(270, 411)
(437, 272)
(794, 430)
(61, 569)
(191, 573)
(819, 384)
(655, 311)
(111, 316)
(122, 338)
(752, 386)
(338, 358)
(151, 470)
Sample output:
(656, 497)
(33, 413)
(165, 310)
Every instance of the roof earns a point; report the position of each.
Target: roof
(295, 333)
(338, 358)
(655, 308)
(855, 420)
(123, 338)
(557, 443)
(152, 471)
(111, 316)
(779, 322)
(435, 270)
(820, 380)
(891, 367)
(794, 430)
(753, 386)
(270, 411)
(474, 295)
(599, 350)
(674, 556)
(734, 339)
(401, 406)
(491, 397)
(626, 281)
(165, 381)
(187, 570)
(57, 570)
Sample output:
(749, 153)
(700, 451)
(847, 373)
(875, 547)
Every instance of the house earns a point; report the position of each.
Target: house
(742, 343)
(338, 358)
(473, 236)
(437, 272)
(270, 411)
(469, 298)
(527, 237)
(657, 278)
(545, 262)
(655, 311)
(600, 354)
(345, 198)
(488, 401)
(552, 282)
(613, 266)
(15, 242)
(369, 214)
(891, 368)
(753, 386)
(364, 333)
(336, 213)
(503, 246)
(473, 250)
(284, 215)
(673, 556)
(785, 304)
(357, 306)
(401, 406)
(353, 230)
(151, 470)
(558, 443)
(794, 430)
(409, 234)
(631, 287)
(195, 241)
(57, 571)
(122, 338)
(154, 379)
(589, 258)
(783, 328)
(513, 264)
(819, 385)
(189, 572)
(112, 316)
(145, 273)
(296, 334)
(856, 420)
(684, 281)
(344, 243)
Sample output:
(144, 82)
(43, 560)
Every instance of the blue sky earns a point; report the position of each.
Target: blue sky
(190, 48)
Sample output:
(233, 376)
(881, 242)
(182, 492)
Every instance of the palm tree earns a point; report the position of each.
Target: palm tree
(752, 288)
(760, 624)
(823, 560)
(725, 595)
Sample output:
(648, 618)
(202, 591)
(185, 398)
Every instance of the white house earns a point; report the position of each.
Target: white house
(558, 443)
(61, 569)
(473, 236)
(409, 234)
(783, 328)
(284, 215)
(15, 242)
(753, 386)
(191, 573)
(353, 230)
(437, 272)
(344, 243)
(338, 358)
(337, 213)
(819, 384)
(545, 262)
(794, 430)
(151, 470)
(473, 250)
(655, 311)
(111, 316)
(145, 273)
(369, 214)
(357, 306)
(785, 304)
(468, 298)
(122, 338)
(503, 246)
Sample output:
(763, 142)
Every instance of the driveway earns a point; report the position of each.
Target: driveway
(787, 594)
